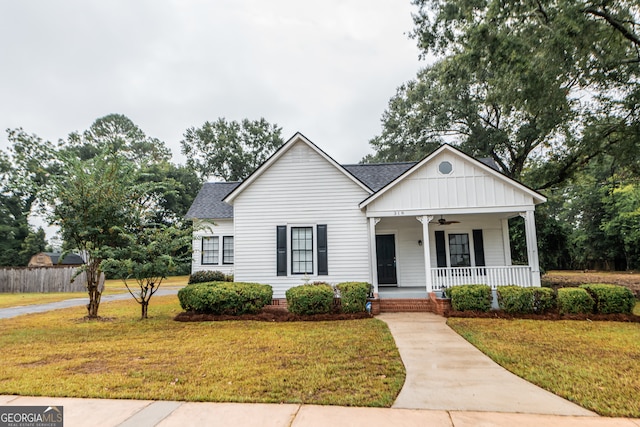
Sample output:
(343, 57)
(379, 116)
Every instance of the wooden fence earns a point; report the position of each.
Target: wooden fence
(41, 279)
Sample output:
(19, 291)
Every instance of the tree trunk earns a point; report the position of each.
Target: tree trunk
(145, 306)
(94, 302)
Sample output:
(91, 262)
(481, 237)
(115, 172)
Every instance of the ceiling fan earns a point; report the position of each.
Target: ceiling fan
(443, 221)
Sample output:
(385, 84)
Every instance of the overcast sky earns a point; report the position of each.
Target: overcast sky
(324, 68)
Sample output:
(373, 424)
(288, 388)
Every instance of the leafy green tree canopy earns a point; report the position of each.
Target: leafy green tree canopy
(116, 133)
(230, 150)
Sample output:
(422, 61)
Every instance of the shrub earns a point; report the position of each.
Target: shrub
(471, 297)
(574, 301)
(611, 298)
(544, 299)
(515, 299)
(225, 298)
(353, 296)
(310, 299)
(206, 276)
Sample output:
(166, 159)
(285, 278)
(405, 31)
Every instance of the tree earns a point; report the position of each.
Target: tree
(229, 150)
(25, 169)
(116, 133)
(92, 202)
(540, 86)
(33, 244)
(152, 253)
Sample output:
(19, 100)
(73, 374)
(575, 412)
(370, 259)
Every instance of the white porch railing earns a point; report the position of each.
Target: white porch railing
(519, 275)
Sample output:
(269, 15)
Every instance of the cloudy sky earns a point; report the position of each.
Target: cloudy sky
(324, 68)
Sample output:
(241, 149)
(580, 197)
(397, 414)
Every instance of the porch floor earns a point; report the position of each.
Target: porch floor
(405, 292)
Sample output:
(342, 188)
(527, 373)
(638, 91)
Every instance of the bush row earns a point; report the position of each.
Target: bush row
(592, 298)
(236, 298)
(317, 298)
(232, 298)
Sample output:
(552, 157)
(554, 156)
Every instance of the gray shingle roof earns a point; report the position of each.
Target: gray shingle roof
(377, 175)
(69, 259)
(208, 203)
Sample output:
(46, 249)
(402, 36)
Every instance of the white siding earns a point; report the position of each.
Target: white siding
(300, 189)
(218, 227)
(466, 187)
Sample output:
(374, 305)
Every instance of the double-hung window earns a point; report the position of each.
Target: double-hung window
(459, 250)
(210, 250)
(227, 250)
(302, 250)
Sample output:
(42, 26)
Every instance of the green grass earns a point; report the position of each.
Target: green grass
(594, 364)
(59, 354)
(111, 287)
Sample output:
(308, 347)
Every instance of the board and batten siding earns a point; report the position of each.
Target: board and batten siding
(468, 187)
(300, 189)
(210, 227)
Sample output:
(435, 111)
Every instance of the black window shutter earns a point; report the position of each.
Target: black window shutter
(323, 267)
(441, 250)
(281, 250)
(478, 248)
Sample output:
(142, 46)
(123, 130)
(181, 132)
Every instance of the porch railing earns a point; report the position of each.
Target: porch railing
(519, 275)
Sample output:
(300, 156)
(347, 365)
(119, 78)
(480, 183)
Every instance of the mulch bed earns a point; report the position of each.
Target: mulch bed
(269, 314)
(547, 316)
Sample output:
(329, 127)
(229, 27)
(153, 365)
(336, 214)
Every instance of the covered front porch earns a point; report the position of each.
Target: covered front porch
(415, 255)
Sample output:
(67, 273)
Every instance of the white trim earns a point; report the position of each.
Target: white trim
(296, 138)
(449, 211)
(537, 197)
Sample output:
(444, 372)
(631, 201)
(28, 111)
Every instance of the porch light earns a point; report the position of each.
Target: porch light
(419, 242)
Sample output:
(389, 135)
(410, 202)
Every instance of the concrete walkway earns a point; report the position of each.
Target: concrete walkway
(6, 313)
(146, 413)
(445, 372)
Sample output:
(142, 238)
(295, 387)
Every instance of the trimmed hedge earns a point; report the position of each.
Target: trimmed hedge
(208, 276)
(353, 296)
(471, 297)
(310, 299)
(611, 298)
(515, 299)
(233, 298)
(575, 301)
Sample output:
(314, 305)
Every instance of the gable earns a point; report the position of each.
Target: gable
(311, 153)
(300, 180)
(469, 185)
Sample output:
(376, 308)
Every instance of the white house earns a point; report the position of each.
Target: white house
(417, 226)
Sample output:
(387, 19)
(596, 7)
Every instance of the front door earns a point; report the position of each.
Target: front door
(386, 254)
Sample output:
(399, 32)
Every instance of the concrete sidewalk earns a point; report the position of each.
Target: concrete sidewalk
(145, 413)
(445, 372)
(6, 313)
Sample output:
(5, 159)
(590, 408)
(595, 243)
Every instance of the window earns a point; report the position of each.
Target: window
(459, 252)
(302, 250)
(445, 168)
(210, 250)
(227, 250)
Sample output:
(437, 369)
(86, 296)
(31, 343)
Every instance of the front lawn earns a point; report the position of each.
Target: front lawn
(59, 354)
(594, 364)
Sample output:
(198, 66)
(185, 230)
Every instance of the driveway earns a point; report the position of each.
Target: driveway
(6, 313)
(445, 372)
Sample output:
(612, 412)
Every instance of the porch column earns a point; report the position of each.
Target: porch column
(427, 250)
(373, 254)
(506, 243)
(532, 245)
